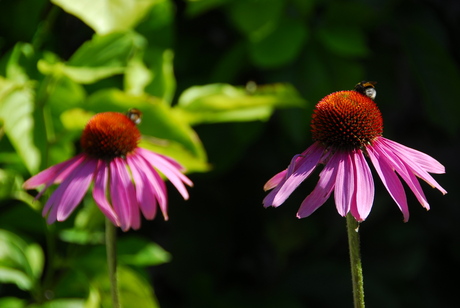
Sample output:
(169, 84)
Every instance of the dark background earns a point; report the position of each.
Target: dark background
(227, 250)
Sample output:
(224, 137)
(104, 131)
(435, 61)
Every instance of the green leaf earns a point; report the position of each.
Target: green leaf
(197, 7)
(225, 103)
(12, 302)
(348, 41)
(140, 252)
(16, 113)
(163, 84)
(15, 68)
(106, 16)
(256, 25)
(281, 46)
(19, 278)
(135, 291)
(102, 57)
(137, 76)
(20, 263)
(158, 122)
(61, 303)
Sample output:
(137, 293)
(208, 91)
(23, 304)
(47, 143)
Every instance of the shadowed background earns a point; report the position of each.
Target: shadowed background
(226, 249)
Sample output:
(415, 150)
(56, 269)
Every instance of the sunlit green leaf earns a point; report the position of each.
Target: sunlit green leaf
(16, 264)
(83, 75)
(106, 16)
(112, 50)
(19, 278)
(135, 291)
(163, 84)
(14, 69)
(16, 113)
(36, 259)
(224, 103)
(12, 302)
(61, 303)
(140, 252)
(137, 77)
(99, 58)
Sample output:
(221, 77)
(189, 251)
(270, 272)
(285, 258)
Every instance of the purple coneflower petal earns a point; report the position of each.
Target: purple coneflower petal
(406, 174)
(53, 174)
(169, 168)
(321, 192)
(344, 182)
(425, 161)
(123, 195)
(391, 181)
(145, 191)
(71, 191)
(418, 164)
(364, 189)
(275, 180)
(302, 170)
(279, 177)
(100, 190)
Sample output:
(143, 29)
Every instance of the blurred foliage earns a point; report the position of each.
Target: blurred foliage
(223, 86)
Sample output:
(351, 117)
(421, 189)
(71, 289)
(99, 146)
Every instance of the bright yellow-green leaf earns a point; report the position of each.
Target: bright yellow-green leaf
(106, 16)
(225, 103)
(16, 114)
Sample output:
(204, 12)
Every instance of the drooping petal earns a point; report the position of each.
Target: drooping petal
(145, 192)
(70, 192)
(391, 181)
(48, 176)
(275, 180)
(54, 174)
(123, 195)
(283, 175)
(425, 161)
(321, 192)
(406, 174)
(101, 178)
(169, 168)
(344, 183)
(364, 191)
(303, 168)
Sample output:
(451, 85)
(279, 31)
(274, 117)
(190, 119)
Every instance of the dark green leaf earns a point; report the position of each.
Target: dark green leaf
(140, 252)
(281, 46)
(348, 41)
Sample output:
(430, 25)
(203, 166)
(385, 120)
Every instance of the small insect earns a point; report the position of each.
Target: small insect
(367, 88)
(134, 115)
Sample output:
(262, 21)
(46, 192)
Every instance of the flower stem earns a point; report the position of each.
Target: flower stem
(355, 260)
(111, 247)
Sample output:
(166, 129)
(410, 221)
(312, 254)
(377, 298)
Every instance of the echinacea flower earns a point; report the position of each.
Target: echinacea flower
(125, 179)
(347, 127)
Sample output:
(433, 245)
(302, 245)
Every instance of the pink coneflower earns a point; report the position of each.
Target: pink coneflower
(347, 127)
(125, 177)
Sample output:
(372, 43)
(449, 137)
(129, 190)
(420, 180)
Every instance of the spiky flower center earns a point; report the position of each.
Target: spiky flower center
(346, 120)
(108, 135)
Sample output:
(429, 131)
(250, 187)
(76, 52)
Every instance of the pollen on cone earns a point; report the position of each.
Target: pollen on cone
(108, 135)
(346, 119)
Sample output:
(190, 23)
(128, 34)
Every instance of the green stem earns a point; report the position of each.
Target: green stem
(111, 247)
(355, 260)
